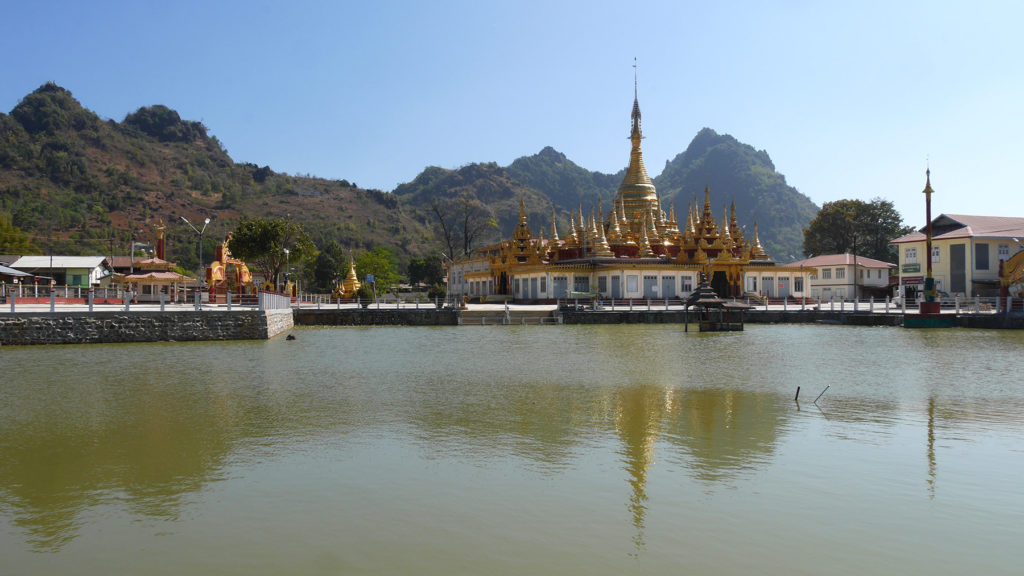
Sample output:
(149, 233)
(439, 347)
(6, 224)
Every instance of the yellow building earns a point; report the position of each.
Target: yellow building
(966, 253)
(634, 250)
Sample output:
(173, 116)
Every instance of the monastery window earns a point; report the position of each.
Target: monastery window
(826, 274)
(936, 254)
(543, 284)
(840, 273)
(687, 283)
(1004, 251)
(516, 291)
(798, 284)
(602, 284)
(581, 283)
(910, 255)
(632, 283)
(862, 274)
(981, 256)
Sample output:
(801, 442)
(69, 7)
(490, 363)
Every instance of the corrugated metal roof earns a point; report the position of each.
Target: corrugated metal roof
(12, 272)
(63, 262)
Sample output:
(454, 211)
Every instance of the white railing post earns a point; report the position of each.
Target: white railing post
(162, 302)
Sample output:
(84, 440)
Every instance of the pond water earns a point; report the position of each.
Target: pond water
(518, 450)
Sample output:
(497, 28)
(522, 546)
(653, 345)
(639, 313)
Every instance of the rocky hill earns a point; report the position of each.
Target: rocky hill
(79, 184)
(736, 172)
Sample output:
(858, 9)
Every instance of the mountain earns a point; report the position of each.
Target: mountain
(79, 184)
(565, 183)
(736, 172)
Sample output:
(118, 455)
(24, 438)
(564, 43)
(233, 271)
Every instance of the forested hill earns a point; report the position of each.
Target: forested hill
(736, 172)
(565, 183)
(78, 184)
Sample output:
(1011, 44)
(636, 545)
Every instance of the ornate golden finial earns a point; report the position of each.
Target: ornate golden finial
(928, 182)
(554, 225)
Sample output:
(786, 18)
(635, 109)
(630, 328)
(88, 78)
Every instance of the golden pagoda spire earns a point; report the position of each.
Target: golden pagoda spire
(573, 239)
(653, 234)
(672, 226)
(734, 225)
(522, 234)
(350, 285)
(636, 192)
(601, 249)
(614, 232)
(645, 245)
(757, 251)
(707, 219)
(554, 225)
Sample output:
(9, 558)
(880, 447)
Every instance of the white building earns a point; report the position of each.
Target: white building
(845, 276)
(84, 271)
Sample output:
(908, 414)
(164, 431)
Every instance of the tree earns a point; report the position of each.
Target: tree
(461, 221)
(426, 270)
(382, 264)
(325, 270)
(12, 239)
(262, 243)
(855, 226)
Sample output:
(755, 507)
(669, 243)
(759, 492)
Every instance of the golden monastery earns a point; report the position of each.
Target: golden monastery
(635, 250)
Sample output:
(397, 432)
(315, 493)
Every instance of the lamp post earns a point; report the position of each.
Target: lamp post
(287, 263)
(202, 277)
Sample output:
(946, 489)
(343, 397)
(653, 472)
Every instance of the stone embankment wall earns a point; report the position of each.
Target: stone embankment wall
(371, 317)
(749, 317)
(105, 327)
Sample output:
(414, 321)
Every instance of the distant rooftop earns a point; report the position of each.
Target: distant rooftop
(951, 226)
(841, 260)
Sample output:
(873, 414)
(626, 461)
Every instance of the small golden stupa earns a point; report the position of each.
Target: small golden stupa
(349, 287)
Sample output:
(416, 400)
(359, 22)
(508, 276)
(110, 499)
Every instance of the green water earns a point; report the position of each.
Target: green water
(518, 450)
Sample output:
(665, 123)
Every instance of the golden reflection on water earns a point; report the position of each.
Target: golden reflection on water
(150, 438)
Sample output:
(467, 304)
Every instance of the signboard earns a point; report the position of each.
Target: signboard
(912, 280)
(369, 279)
(911, 268)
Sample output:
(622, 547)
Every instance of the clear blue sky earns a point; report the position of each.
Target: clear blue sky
(850, 99)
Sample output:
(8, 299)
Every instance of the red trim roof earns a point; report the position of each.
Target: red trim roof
(951, 226)
(841, 260)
